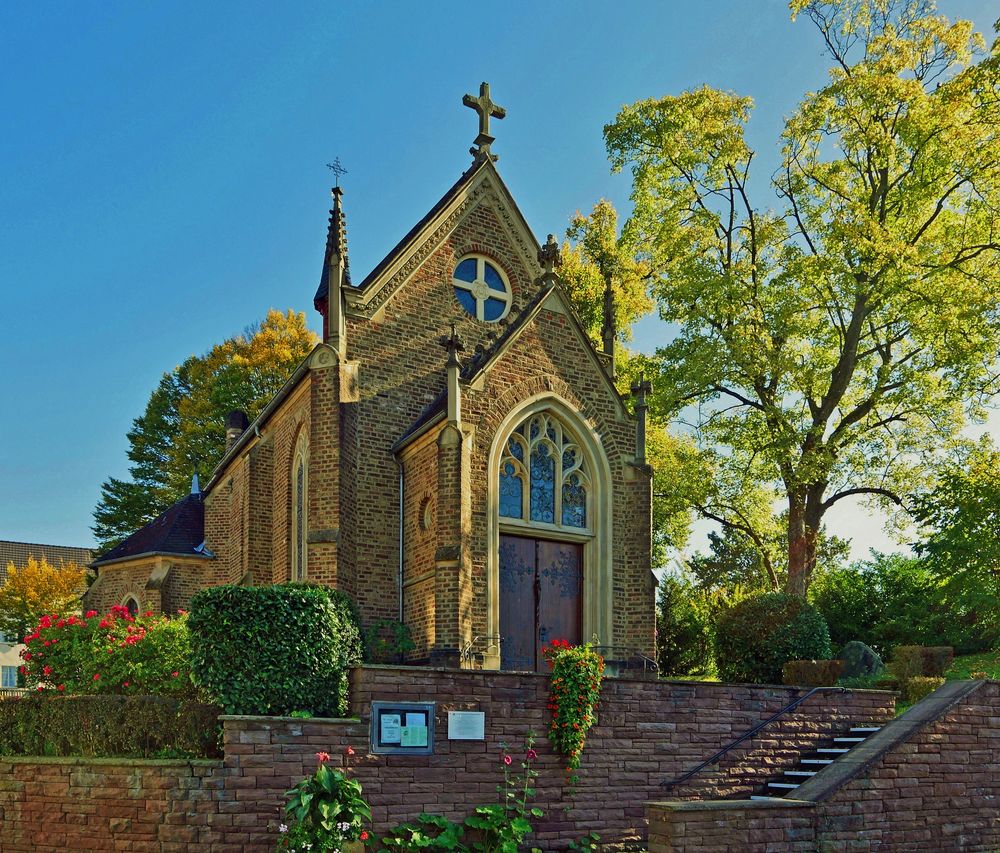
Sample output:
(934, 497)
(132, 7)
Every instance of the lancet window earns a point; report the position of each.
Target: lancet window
(300, 498)
(543, 476)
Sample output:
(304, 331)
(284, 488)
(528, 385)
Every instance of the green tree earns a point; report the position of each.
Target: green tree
(593, 253)
(182, 430)
(829, 346)
(734, 559)
(960, 536)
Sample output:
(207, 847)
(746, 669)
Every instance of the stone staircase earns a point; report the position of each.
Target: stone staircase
(811, 762)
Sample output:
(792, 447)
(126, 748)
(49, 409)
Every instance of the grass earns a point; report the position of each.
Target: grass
(963, 666)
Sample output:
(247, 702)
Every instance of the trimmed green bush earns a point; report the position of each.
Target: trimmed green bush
(928, 661)
(811, 673)
(272, 650)
(918, 687)
(757, 636)
(109, 727)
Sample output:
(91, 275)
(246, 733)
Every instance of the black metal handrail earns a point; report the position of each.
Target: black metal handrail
(791, 706)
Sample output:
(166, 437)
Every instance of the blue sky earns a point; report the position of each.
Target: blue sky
(162, 179)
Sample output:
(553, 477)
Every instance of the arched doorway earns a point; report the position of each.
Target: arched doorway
(550, 533)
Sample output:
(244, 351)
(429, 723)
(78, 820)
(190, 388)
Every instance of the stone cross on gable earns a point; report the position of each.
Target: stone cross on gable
(486, 108)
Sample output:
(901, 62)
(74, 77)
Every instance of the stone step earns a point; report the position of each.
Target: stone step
(801, 772)
(848, 739)
(833, 750)
(762, 797)
(783, 786)
(823, 761)
(866, 729)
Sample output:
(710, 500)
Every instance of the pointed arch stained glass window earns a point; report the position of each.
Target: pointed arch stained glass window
(542, 475)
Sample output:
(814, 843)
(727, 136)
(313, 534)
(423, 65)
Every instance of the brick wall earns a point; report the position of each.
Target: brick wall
(58, 804)
(648, 732)
(934, 788)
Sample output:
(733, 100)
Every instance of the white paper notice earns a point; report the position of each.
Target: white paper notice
(391, 727)
(466, 725)
(416, 718)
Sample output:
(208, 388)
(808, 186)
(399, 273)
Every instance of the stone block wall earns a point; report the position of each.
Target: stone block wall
(647, 732)
(51, 805)
(928, 781)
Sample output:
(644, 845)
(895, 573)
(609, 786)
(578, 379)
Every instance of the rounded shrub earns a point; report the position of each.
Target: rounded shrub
(274, 650)
(757, 636)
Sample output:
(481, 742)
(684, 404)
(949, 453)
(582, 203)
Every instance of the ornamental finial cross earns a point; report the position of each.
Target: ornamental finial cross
(486, 108)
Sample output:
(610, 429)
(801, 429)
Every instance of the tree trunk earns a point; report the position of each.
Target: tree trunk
(803, 532)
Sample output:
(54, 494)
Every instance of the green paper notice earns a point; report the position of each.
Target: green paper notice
(413, 736)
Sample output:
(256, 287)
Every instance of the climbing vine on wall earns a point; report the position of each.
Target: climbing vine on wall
(573, 694)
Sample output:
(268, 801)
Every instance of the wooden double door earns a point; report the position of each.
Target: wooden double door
(541, 586)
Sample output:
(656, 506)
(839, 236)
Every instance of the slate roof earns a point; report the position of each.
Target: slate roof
(178, 530)
(18, 553)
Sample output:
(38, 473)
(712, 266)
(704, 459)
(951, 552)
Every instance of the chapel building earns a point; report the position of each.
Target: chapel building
(453, 455)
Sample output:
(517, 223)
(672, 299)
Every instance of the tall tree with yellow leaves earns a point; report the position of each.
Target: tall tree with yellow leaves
(35, 589)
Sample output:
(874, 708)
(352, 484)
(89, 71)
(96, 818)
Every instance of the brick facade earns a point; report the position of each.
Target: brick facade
(356, 402)
(647, 732)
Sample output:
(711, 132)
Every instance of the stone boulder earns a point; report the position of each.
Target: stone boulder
(859, 660)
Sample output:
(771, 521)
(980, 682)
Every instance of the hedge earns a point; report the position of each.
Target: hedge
(109, 727)
(274, 650)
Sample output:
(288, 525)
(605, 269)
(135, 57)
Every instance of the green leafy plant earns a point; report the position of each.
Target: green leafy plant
(919, 686)
(573, 694)
(757, 636)
(326, 810)
(587, 843)
(387, 641)
(497, 828)
(116, 653)
(109, 726)
(274, 649)
(811, 673)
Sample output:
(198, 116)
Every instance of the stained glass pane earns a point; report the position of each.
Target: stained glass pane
(511, 493)
(550, 431)
(493, 309)
(467, 300)
(543, 477)
(569, 459)
(300, 475)
(493, 278)
(536, 428)
(466, 271)
(574, 503)
(515, 449)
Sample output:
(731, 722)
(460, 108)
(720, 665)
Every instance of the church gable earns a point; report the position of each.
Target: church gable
(477, 215)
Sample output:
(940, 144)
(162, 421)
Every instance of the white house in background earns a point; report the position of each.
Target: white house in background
(18, 554)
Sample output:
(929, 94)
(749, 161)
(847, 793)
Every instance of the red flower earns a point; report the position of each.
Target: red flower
(46, 670)
(104, 623)
(148, 613)
(90, 614)
(61, 688)
(97, 676)
(364, 835)
(532, 755)
(26, 655)
(349, 751)
(175, 673)
(507, 760)
(322, 757)
(124, 684)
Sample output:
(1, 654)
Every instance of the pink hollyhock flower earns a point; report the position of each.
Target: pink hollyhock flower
(322, 757)
(532, 755)
(349, 751)
(507, 760)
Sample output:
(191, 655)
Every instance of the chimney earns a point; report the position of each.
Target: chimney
(236, 424)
